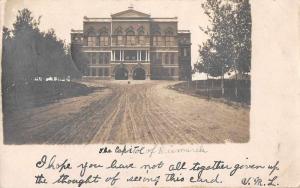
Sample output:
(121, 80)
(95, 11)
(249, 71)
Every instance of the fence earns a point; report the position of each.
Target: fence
(213, 88)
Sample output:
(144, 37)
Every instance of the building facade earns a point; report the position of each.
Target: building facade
(133, 45)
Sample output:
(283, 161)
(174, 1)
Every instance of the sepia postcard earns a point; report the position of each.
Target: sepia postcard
(148, 93)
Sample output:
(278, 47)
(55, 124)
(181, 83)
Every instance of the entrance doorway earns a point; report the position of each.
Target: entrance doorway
(139, 74)
(121, 74)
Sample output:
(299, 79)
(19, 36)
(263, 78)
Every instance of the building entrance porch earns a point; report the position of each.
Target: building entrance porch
(131, 71)
(121, 74)
(139, 74)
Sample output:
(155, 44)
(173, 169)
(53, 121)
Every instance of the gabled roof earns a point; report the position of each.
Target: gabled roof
(130, 13)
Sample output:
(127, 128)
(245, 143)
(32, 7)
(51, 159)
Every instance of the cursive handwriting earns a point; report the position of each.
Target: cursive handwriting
(116, 165)
(153, 172)
(65, 179)
(86, 165)
(51, 164)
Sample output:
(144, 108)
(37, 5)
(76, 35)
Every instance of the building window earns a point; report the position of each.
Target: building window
(152, 56)
(118, 55)
(106, 72)
(141, 31)
(168, 41)
(130, 55)
(93, 58)
(106, 58)
(141, 36)
(130, 38)
(118, 36)
(103, 58)
(92, 41)
(157, 39)
(166, 72)
(142, 39)
(169, 38)
(185, 52)
(172, 72)
(119, 40)
(166, 58)
(172, 58)
(143, 55)
(158, 58)
(88, 56)
(100, 72)
(94, 72)
(104, 40)
(100, 58)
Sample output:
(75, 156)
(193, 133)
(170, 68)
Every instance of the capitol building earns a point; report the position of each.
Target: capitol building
(133, 45)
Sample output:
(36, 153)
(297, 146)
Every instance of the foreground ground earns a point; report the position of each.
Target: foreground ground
(140, 112)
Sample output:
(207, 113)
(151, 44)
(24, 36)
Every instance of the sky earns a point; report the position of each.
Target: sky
(64, 15)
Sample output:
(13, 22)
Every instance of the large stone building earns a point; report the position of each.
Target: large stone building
(133, 45)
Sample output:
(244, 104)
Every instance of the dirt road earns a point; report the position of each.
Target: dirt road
(140, 112)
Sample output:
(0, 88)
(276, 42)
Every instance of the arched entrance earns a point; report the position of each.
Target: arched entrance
(139, 74)
(121, 74)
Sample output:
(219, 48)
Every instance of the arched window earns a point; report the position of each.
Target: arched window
(157, 39)
(130, 38)
(118, 31)
(119, 37)
(170, 39)
(169, 33)
(130, 33)
(141, 31)
(104, 38)
(141, 36)
(92, 38)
